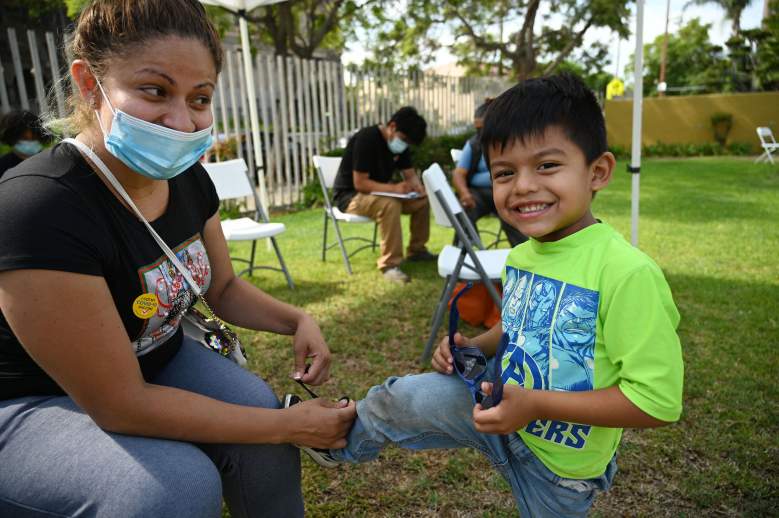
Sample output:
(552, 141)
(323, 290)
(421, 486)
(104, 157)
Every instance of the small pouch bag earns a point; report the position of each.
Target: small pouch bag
(213, 334)
(209, 331)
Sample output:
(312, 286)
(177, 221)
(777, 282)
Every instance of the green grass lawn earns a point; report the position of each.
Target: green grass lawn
(713, 227)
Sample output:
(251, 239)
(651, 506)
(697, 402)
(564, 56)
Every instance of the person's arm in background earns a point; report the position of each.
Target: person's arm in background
(460, 178)
(411, 179)
(364, 184)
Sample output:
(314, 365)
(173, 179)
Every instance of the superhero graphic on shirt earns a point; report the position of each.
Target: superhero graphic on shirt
(551, 327)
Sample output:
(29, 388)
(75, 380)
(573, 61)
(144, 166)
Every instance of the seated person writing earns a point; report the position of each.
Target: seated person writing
(372, 156)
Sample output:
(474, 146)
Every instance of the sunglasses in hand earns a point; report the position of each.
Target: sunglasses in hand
(471, 364)
(311, 393)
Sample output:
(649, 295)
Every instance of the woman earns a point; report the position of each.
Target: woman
(22, 131)
(105, 410)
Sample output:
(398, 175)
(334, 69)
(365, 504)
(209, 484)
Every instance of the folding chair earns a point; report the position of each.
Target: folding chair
(327, 169)
(768, 143)
(497, 236)
(467, 262)
(456, 154)
(231, 182)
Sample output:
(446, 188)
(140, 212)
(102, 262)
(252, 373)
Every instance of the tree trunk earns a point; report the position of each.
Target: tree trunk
(524, 59)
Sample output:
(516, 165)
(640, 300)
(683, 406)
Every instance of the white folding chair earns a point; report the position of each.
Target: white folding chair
(497, 236)
(768, 143)
(456, 154)
(231, 182)
(327, 169)
(467, 262)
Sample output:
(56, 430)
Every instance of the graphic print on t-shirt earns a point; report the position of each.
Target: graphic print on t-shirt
(551, 326)
(163, 279)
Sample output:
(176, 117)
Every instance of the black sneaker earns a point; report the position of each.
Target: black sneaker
(320, 456)
(422, 256)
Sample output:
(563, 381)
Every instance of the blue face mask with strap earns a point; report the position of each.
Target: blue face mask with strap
(28, 147)
(152, 150)
(397, 146)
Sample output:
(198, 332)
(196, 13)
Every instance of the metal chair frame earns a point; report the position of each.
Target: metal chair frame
(331, 215)
(259, 216)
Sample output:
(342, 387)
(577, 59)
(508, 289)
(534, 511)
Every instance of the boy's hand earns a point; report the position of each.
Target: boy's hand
(517, 408)
(442, 356)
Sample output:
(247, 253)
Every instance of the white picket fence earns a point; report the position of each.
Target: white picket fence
(305, 107)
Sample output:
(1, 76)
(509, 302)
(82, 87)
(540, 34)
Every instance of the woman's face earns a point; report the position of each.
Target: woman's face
(167, 81)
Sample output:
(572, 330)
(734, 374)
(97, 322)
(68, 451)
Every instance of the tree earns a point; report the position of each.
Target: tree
(493, 36)
(293, 27)
(733, 10)
(301, 27)
(766, 41)
(691, 61)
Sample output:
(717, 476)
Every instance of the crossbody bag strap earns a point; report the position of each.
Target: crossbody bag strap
(118, 186)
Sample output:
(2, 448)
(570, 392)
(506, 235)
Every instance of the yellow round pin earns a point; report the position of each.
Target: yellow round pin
(145, 305)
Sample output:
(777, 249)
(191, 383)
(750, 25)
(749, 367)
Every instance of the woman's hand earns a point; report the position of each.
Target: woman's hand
(319, 423)
(309, 343)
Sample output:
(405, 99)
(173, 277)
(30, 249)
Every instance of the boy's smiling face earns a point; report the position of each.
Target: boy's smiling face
(543, 186)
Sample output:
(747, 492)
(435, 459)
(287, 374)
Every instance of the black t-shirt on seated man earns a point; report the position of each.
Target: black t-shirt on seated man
(56, 214)
(366, 152)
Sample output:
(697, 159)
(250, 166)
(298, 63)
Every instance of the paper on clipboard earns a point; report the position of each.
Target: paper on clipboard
(406, 196)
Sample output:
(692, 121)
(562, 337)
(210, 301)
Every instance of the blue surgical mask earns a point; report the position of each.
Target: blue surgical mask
(152, 150)
(28, 147)
(397, 146)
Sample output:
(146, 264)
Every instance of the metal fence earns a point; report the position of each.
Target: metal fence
(305, 107)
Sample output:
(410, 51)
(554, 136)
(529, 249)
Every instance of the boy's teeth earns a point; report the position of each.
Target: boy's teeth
(532, 208)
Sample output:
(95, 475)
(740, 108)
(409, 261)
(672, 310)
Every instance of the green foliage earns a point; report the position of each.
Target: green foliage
(75, 7)
(721, 124)
(496, 36)
(691, 61)
(230, 209)
(312, 195)
(436, 149)
(767, 55)
(661, 149)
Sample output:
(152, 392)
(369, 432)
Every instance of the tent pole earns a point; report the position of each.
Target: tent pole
(255, 121)
(638, 94)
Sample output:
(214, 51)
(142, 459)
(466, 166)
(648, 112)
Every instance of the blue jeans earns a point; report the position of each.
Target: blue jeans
(433, 410)
(55, 461)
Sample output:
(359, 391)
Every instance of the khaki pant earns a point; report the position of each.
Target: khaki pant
(386, 211)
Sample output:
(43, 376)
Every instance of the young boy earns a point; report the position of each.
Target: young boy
(592, 344)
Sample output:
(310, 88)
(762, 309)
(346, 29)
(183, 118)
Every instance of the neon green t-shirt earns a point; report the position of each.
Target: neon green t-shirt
(587, 312)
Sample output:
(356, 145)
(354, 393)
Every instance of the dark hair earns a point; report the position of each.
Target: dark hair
(480, 110)
(527, 109)
(410, 122)
(109, 28)
(14, 123)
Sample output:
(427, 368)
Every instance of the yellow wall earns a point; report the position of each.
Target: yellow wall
(687, 119)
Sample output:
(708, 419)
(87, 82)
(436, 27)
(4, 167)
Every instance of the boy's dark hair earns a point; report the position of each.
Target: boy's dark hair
(409, 121)
(527, 109)
(14, 123)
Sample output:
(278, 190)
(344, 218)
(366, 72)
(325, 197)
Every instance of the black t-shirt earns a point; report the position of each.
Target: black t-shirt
(8, 161)
(56, 214)
(366, 152)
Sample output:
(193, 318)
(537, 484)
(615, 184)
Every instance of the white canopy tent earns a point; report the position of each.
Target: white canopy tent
(638, 97)
(240, 8)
